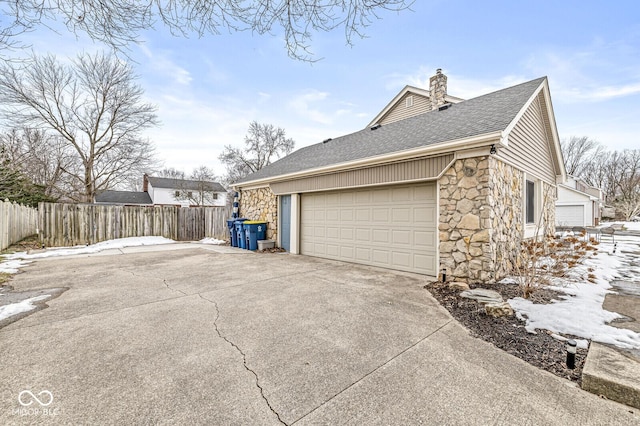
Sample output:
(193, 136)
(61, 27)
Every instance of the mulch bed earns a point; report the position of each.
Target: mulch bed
(508, 333)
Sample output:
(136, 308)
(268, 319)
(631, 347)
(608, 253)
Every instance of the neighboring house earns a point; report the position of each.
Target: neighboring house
(184, 192)
(456, 185)
(123, 198)
(578, 204)
(166, 191)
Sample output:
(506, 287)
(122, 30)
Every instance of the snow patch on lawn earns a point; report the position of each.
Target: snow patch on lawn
(580, 312)
(20, 307)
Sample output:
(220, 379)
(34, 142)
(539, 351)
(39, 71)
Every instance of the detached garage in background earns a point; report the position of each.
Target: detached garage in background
(579, 204)
(433, 182)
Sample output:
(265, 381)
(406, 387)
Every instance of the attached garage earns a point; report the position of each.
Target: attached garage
(392, 227)
(570, 215)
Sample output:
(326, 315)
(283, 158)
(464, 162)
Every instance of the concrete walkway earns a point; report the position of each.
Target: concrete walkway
(209, 335)
(610, 371)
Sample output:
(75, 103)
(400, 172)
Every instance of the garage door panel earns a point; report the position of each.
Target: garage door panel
(401, 215)
(393, 227)
(363, 215)
(333, 232)
(380, 215)
(424, 238)
(401, 237)
(363, 254)
(363, 234)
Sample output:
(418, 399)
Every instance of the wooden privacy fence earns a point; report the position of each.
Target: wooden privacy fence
(73, 224)
(16, 223)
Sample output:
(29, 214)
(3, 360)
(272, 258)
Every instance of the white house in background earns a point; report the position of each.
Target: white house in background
(578, 203)
(166, 191)
(184, 192)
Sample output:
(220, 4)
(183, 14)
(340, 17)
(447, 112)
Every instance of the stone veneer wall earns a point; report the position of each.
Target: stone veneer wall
(481, 219)
(261, 204)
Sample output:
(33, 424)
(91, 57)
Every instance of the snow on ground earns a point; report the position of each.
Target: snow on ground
(24, 306)
(12, 262)
(580, 312)
(212, 241)
(630, 226)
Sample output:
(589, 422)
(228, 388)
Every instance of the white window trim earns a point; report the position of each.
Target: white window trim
(530, 228)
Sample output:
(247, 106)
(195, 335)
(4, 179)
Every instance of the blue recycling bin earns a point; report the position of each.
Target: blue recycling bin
(233, 236)
(240, 232)
(254, 230)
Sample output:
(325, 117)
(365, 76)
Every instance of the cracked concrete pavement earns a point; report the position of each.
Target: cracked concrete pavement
(213, 335)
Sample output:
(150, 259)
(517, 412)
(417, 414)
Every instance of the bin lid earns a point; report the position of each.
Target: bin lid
(255, 222)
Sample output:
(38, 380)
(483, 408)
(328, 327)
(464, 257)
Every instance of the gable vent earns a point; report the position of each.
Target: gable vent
(376, 126)
(408, 101)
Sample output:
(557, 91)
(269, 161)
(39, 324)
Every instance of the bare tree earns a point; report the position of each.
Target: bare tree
(201, 189)
(94, 106)
(263, 144)
(171, 173)
(577, 152)
(119, 23)
(41, 157)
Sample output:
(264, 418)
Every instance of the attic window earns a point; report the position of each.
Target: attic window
(408, 101)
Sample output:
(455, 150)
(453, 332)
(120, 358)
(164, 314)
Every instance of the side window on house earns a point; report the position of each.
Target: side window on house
(189, 194)
(176, 194)
(530, 202)
(215, 196)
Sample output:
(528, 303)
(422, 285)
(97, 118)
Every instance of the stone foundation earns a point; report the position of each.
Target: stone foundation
(261, 204)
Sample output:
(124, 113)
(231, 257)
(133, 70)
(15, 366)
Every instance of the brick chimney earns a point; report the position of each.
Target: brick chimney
(145, 183)
(437, 89)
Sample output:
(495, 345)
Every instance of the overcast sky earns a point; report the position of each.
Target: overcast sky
(208, 90)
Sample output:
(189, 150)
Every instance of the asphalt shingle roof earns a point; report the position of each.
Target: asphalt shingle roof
(485, 114)
(123, 197)
(183, 184)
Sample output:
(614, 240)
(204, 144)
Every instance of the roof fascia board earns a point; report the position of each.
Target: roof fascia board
(431, 150)
(577, 191)
(504, 137)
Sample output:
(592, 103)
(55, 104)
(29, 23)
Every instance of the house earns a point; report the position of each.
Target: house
(444, 184)
(578, 204)
(168, 191)
(184, 192)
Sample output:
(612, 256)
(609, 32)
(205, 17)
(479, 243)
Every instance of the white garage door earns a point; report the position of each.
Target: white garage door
(391, 227)
(570, 215)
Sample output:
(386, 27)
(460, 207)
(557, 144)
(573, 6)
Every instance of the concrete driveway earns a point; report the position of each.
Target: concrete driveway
(209, 335)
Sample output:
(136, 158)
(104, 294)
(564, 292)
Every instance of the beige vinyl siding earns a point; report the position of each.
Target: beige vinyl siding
(400, 111)
(529, 142)
(405, 171)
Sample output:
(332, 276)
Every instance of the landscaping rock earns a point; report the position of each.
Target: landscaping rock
(498, 310)
(458, 285)
(482, 295)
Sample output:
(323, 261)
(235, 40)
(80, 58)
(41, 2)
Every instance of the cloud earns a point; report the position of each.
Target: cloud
(302, 105)
(169, 71)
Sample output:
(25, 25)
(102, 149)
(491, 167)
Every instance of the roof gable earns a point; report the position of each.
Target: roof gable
(386, 116)
(484, 116)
